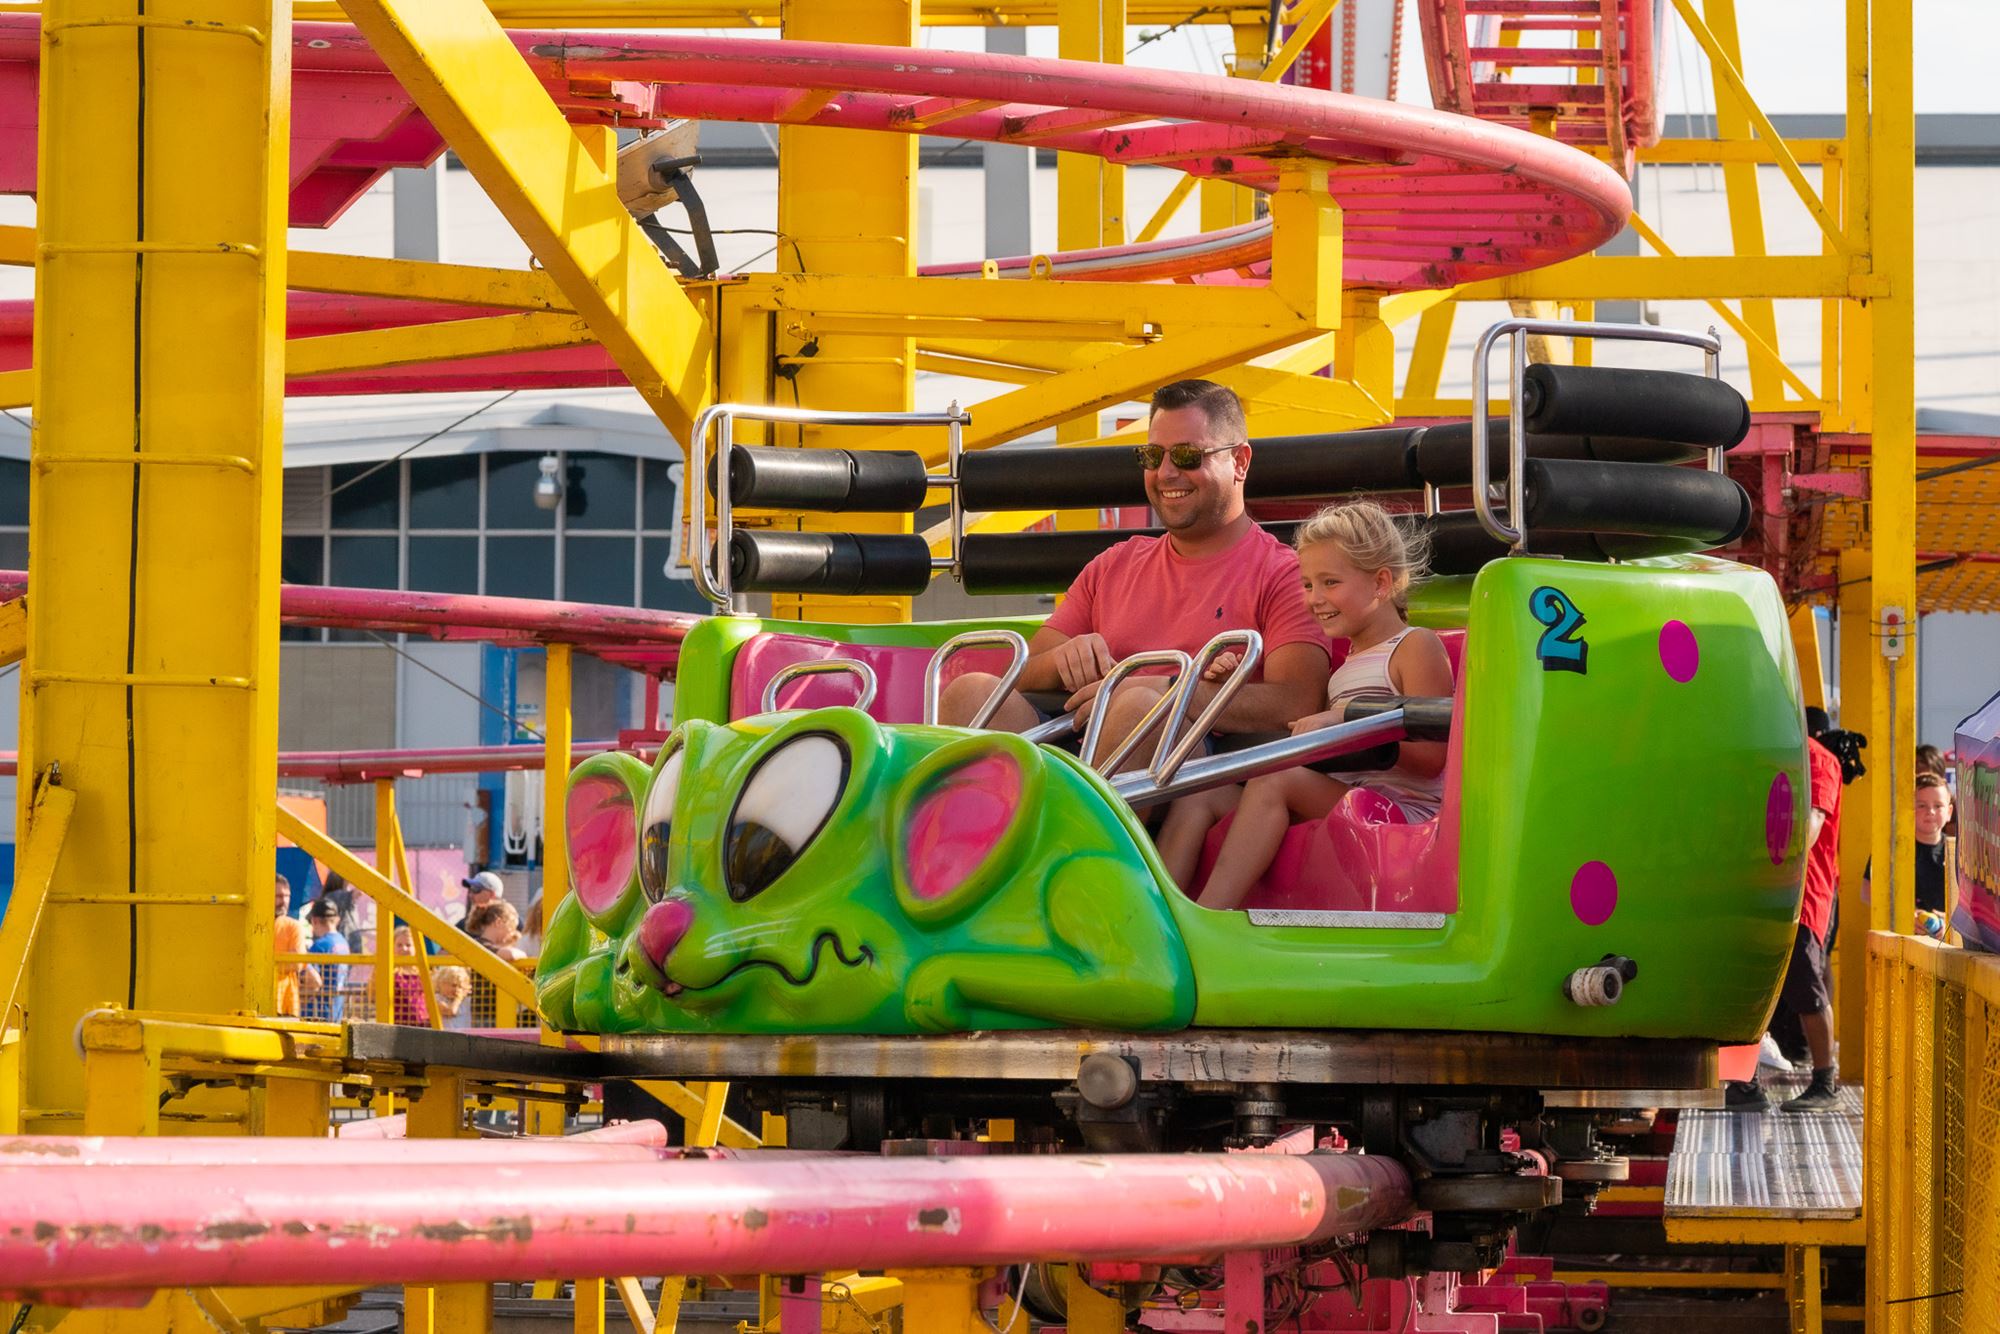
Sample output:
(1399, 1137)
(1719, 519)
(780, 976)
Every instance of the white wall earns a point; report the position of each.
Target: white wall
(1958, 669)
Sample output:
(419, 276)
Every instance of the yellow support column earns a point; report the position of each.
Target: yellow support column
(152, 647)
(1893, 509)
(1224, 204)
(1746, 206)
(438, 1112)
(1850, 965)
(847, 204)
(1090, 192)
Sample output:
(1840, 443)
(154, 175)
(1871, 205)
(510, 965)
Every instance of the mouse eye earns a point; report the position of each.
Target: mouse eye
(785, 804)
(656, 826)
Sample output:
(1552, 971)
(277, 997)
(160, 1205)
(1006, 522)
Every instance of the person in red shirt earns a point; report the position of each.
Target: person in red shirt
(1213, 570)
(1805, 991)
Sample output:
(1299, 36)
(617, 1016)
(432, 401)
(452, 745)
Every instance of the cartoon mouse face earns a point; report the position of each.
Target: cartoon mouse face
(818, 872)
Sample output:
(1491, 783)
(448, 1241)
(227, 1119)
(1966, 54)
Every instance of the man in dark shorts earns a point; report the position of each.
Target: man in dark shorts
(1805, 991)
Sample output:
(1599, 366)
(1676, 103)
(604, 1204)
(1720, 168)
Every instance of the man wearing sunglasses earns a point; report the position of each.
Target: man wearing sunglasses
(1213, 570)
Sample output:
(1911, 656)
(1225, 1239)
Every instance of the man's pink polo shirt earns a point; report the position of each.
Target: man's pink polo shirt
(1142, 594)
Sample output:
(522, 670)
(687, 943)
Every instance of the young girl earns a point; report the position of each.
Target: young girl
(1357, 568)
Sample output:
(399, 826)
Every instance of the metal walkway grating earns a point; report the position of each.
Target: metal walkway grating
(1771, 1164)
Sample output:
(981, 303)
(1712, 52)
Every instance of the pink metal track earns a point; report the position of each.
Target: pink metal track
(1594, 84)
(102, 1232)
(1431, 199)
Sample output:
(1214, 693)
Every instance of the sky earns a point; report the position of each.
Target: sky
(1792, 53)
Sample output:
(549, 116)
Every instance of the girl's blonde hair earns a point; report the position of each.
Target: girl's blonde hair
(1373, 541)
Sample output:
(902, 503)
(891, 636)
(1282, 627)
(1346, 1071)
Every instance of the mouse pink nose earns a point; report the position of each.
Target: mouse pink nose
(662, 928)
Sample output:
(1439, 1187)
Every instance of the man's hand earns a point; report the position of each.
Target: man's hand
(1082, 661)
(1313, 722)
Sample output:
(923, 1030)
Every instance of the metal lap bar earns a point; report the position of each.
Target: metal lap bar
(1140, 790)
(1164, 657)
(934, 670)
(822, 666)
(1175, 748)
(1042, 733)
(1514, 530)
(710, 562)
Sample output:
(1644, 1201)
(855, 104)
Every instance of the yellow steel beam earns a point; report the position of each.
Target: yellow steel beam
(1119, 379)
(389, 898)
(1739, 323)
(1855, 399)
(764, 13)
(1684, 278)
(447, 340)
(17, 388)
(158, 332)
(1723, 59)
(1742, 189)
(41, 845)
(367, 275)
(1741, 150)
(685, 1102)
(847, 202)
(1427, 353)
(13, 631)
(423, 280)
(1132, 306)
(1090, 191)
(557, 186)
(1893, 463)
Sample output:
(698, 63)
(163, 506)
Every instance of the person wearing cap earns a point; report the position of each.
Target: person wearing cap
(329, 1003)
(480, 890)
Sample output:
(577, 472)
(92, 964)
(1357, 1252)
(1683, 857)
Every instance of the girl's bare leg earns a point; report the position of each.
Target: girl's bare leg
(1269, 807)
(1186, 827)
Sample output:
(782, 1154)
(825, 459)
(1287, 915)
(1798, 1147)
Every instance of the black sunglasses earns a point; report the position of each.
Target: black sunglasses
(1186, 457)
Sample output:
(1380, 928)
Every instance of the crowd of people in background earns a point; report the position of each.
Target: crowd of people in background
(322, 948)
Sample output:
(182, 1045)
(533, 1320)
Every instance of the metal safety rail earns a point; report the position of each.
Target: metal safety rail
(1513, 530)
(1932, 1126)
(710, 562)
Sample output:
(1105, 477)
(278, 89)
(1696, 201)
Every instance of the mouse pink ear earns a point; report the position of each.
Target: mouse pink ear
(601, 816)
(957, 829)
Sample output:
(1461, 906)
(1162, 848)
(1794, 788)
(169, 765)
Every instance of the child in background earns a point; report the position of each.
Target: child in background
(1357, 567)
(410, 1006)
(453, 985)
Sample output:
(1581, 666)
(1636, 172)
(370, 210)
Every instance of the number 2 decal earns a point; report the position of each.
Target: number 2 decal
(1558, 648)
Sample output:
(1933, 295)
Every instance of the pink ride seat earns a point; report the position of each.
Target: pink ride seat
(899, 675)
(1364, 856)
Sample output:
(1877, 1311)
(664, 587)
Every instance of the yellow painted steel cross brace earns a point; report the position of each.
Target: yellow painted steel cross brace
(556, 185)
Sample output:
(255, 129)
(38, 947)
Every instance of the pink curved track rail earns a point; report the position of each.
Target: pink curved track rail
(1431, 199)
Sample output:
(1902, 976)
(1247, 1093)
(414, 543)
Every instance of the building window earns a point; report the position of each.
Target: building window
(469, 524)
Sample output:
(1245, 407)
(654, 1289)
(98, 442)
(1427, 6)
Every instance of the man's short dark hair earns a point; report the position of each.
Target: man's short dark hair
(324, 909)
(1816, 720)
(1218, 403)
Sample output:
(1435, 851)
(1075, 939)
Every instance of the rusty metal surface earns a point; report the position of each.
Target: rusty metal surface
(1194, 1056)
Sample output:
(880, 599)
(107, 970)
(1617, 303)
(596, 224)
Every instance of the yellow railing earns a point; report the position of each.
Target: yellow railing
(1933, 1137)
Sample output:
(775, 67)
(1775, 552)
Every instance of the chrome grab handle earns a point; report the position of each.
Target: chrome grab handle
(1174, 748)
(1162, 657)
(710, 561)
(1514, 530)
(861, 671)
(1140, 790)
(934, 670)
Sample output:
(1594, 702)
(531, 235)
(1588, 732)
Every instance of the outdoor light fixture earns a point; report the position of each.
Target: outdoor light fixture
(548, 487)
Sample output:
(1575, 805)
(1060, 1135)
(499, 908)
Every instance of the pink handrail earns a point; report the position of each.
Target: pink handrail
(101, 1233)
